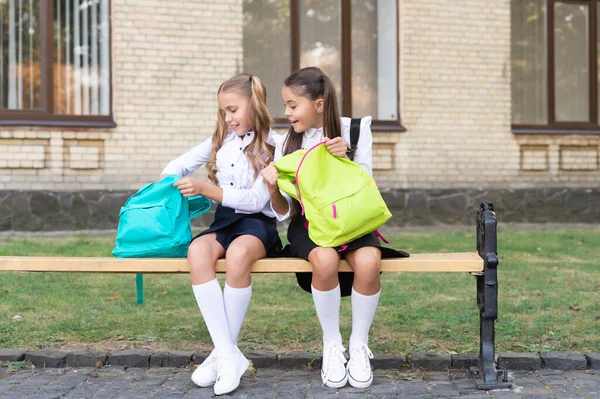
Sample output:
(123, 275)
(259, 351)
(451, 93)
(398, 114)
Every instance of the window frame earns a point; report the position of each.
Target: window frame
(346, 68)
(46, 116)
(554, 127)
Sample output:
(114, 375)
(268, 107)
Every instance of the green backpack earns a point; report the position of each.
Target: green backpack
(340, 199)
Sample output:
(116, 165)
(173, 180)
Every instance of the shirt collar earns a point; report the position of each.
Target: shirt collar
(231, 135)
(311, 131)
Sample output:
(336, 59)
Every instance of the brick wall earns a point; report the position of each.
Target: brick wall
(169, 58)
(455, 93)
(455, 96)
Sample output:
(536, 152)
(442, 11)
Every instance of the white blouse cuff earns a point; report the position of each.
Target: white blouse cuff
(285, 216)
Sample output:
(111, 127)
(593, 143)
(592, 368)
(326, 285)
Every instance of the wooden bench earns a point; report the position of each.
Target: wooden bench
(481, 263)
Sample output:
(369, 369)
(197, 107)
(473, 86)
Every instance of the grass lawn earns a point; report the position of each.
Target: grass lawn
(549, 282)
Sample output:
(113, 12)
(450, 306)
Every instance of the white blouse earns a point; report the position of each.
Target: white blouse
(234, 172)
(363, 155)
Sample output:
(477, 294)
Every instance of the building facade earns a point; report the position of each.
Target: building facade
(472, 100)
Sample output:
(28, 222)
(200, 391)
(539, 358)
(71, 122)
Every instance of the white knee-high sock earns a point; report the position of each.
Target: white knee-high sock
(236, 305)
(327, 304)
(210, 301)
(363, 312)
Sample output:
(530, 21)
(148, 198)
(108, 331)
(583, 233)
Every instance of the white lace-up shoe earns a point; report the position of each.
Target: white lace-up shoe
(205, 374)
(230, 368)
(360, 374)
(333, 370)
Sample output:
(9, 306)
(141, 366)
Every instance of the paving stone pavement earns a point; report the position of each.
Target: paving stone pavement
(142, 383)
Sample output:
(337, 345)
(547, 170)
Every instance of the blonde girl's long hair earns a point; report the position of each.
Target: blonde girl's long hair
(259, 151)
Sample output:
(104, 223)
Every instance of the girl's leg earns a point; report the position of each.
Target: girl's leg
(242, 252)
(366, 263)
(240, 255)
(203, 254)
(326, 296)
(326, 291)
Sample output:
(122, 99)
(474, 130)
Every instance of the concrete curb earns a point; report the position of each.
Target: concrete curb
(431, 361)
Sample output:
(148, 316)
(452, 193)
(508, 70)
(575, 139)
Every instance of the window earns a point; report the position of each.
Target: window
(555, 74)
(55, 63)
(355, 42)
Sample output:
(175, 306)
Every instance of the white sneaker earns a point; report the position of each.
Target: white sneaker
(230, 368)
(205, 374)
(360, 374)
(333, 371)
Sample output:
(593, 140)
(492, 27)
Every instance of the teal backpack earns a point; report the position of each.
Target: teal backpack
(155, 221)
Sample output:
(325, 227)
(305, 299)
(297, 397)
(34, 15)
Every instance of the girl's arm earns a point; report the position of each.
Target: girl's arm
(250, 200)
(254, 199)
(190, 161)
(280, 202)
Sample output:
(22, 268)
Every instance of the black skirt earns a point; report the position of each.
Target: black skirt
(301, 245)
(228, 225)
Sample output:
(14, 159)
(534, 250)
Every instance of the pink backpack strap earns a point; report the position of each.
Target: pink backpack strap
(381, 237)
(298, 171)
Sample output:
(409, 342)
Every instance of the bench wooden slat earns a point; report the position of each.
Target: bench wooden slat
(435, 262)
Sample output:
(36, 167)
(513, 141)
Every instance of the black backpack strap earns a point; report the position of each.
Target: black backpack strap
(354, 135)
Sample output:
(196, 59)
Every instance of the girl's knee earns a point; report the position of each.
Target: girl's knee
(201, 257)
(239, 259)
(324, 258)
(324, 261)
(367, 261)
(196, 250)
(237, 255)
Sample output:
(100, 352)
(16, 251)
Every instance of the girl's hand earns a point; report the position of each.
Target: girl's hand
(336, 146)
(190, 187)
(270, 176)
